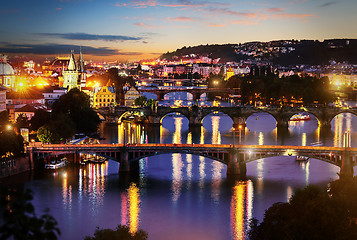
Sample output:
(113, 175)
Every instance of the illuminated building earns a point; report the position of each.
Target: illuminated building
(29, 110)
(51, 95)
(130, 95)
(2, 98)
(229, 73)
(7, 76)
(74, 76)
(104, 96)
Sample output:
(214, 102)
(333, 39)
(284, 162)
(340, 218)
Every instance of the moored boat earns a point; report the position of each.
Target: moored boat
(57, 163)
(300, 117)
(301, 158)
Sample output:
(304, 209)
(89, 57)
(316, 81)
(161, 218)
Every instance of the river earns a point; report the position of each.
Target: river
(178, 196)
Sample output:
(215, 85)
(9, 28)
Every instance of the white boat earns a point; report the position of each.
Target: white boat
(300, 117)
(301, 158)
(57, 163)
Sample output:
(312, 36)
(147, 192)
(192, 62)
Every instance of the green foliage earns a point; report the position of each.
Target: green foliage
(46, 135)
(20, 220)
(120, 232)
(76, 105)
(273, 90)
(40, 118)
(11, 143)
(22, 122)
(312, 213)
(140, 101)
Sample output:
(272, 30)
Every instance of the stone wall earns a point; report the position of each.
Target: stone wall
(12, 166)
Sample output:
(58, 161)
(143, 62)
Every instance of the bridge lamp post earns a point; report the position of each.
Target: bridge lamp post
(240, 134)
(234, 136)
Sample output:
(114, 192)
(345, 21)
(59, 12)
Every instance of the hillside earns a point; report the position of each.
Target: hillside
(282, 52)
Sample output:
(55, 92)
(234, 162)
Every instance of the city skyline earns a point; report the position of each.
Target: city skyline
(141, 29)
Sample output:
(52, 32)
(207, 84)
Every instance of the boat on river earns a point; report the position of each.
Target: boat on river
(301, 158)
(300, 117)
(56, 163)
(93, 159)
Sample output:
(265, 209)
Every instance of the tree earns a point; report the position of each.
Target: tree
(76, 105)
(11, 144)
(20, 220)
(46, 135)
(311, 213)
(40, 118)
(22, 122)
(140, 101)
(120, 232)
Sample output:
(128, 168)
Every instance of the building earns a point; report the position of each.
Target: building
(229, 73)
(130, 95)
(74, 76)
(7, 75)
(52, 94)
(2, 98)
(28, 110)
(104, 96)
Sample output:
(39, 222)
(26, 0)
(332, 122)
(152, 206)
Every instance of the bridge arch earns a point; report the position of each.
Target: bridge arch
(221, 157)
(328, 157)
(190, 96)
(172, 111)
(127, 114)
(216, 112)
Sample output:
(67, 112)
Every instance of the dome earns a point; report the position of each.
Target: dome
(6, 69)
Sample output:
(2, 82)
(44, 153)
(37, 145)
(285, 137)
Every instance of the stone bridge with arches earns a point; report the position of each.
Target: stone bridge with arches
(235, 157)
(195, 91)
(238, 114)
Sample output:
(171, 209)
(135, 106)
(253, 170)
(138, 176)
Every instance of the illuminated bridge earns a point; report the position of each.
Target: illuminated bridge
(238, 114)
(235, 158)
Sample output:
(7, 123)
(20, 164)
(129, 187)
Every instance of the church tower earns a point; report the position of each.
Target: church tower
(71, 74)
(82, 78)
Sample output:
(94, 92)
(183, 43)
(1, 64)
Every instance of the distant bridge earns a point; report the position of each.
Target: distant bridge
(235, 158)
(238, 114)
(195, 91)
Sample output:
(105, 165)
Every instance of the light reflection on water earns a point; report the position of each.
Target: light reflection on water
(187, 192)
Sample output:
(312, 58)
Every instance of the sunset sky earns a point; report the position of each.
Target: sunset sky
(134, 29)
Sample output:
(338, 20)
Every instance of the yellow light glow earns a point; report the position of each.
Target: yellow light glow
(134, 208)
(237, 210)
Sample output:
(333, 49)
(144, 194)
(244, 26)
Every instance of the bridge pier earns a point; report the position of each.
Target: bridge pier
(194, 121)
(346, 170)
(239, 121)
(236, 168)
(125, 165)
(154, 120)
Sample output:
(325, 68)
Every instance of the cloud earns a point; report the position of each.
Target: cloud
(58, 9)
(327, 4)
(226, 11)
(55, 49)
(217, 25)
(291, 15)
(245, 22)
(9, 11)
(180, 19)
(274, 10)
(90, 37)
(146, 26)
(172, 3)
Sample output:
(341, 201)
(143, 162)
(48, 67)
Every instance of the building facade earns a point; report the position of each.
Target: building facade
(104, 97)
(130, 95)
